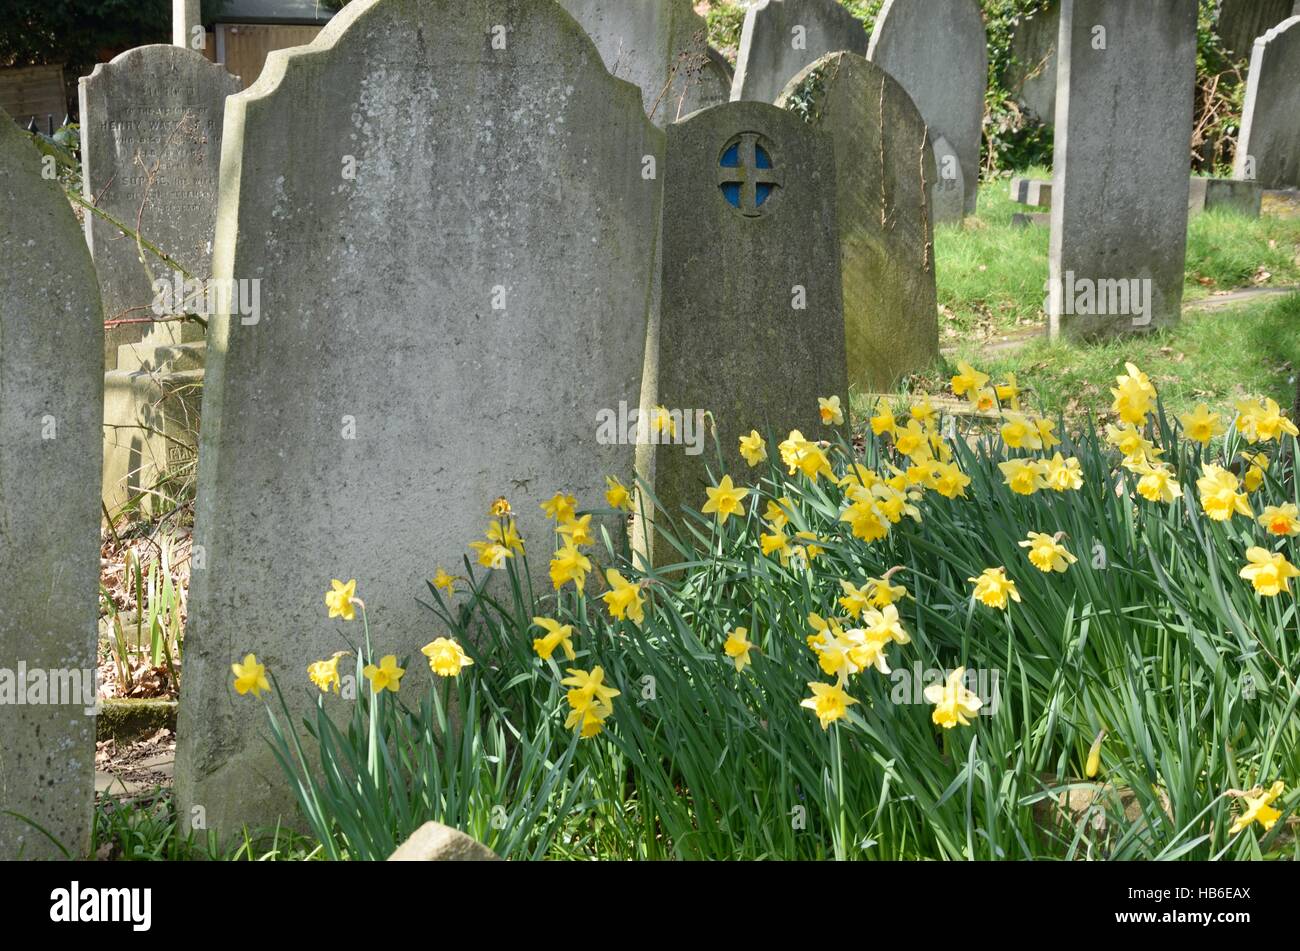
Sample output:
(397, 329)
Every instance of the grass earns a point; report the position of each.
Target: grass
(1211, 357)
(992, 275)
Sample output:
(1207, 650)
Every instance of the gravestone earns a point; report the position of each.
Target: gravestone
(883, 171)
(1119, 193)
(751, 327)
(151, 147)
(51, 364)
(1268, 149)
(1225, 194)
(446, 307)
(948, 194)
(1031, 191)
(662, 47)
(938, 51)
(781, 37)
(1030, 75)
(1242, 22)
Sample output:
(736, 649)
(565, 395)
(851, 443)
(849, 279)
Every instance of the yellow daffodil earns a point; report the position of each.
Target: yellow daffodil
(912, 441)
(1262, 421)
(753, 448)
(325, 673)
(443, 581)
(829, 702)
(1133, 396)
(1260, 809)
(725, 500)
(954, 705)
(569, 564)
(1281, 519)
(777, 512)
(832, 414)
(993, 588)
(1257, 463)
(560, 507)
(968, 379)
(1024, 476)
(883, 422)
(883, 593)
(1220, 497)
(1063, 475)
(923, 412)
(1018, 432)
(1269, 572)
(446, 657)
(1093, 764)
(865, 519)
(1009, 392)
(617, 495)
(800, 455)
(1046, 432)
(576, 531)
(624, 598)
(983, 401)
(856, 600)
(590, 701)
(737, 647)
(386, 676)
(339, 599)
(1047, 554)
(884, 625)
(500, 507)
(1157, 483)
(948, 480)
(557, 635)
(662, 422)
(250, 676)
(1200, 425)
(775, 542)
(491, 555)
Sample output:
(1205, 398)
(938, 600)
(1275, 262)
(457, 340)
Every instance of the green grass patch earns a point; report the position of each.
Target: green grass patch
(1211, 357)
(992, 275)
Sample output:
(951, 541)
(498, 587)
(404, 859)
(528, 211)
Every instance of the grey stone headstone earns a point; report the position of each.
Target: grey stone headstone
(151, 124)
(1225, 194)
(938, 50)
(446, 306)
(51, 405)
(1268, 149)
(1031, 191)
(1242, 22)
(749, 235)
(662, 47)
(883, 170)
(1031, 75)
(948, 193)
(781, 37)
(1123, 141)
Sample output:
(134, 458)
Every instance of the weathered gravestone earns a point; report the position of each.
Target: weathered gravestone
(151, 145)
(1119, 194)
(662, 47)
(1031, 72)
(51, 366)
(446, 305)
(1268, 150)
(751, 327)
(1225, 194)
(938, 51)
(948, 194)
(1242, 22)
(781, 37)
(883, 171)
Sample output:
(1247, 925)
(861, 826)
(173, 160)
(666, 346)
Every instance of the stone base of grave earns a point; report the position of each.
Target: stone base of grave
(1031, 191)
(1226, 194)
(151, 416)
